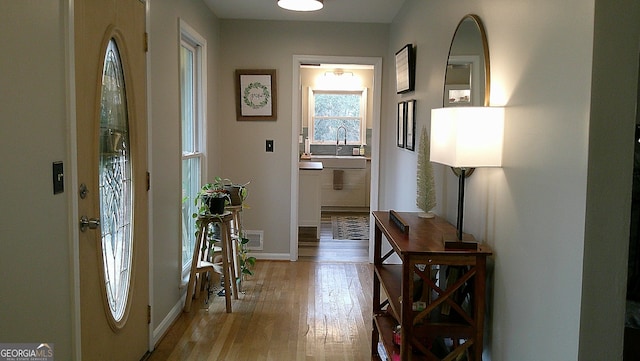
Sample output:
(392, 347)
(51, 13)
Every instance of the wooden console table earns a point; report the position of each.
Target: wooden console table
(436, 296)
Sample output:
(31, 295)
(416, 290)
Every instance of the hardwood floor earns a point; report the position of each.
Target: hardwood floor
(316, 309)
(327, 248)
(290, 311)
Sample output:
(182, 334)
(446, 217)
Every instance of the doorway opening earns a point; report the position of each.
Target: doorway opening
(632, 315)
(350, 87)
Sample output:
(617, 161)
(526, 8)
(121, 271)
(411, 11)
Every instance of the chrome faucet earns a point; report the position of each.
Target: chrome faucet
(338, 148)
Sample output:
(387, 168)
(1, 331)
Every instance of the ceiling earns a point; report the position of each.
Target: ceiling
(357, 11)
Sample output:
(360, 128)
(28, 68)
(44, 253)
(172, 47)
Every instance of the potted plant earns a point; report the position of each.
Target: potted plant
(212, 198)
(237, 192)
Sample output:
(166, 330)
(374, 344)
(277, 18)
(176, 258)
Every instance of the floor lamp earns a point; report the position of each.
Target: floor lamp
(465, 138)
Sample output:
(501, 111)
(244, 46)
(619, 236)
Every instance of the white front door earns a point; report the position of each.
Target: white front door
(110, 71)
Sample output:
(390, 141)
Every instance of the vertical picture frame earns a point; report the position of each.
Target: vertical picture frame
(410, 128)
(256, 94)
(401, 124)
(405, 69)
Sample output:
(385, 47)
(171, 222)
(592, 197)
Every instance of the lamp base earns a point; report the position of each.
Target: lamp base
(451, 242)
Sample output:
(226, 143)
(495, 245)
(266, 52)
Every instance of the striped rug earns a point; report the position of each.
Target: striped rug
(350, 227)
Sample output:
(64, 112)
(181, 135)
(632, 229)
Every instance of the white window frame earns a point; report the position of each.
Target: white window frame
(195, 42)
(362, 117)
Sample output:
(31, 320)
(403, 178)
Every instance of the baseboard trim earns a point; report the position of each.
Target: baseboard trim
(166, 323)
(271, 256)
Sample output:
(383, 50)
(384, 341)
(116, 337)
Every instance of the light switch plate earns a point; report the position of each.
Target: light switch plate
(58, 177)
(269, 145)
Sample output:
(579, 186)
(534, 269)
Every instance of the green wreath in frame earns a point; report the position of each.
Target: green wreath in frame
(248, 96)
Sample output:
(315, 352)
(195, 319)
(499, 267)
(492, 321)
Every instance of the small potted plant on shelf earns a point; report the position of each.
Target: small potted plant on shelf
(237, 192)
(212, 198)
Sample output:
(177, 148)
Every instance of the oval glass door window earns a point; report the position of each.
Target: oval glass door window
(116, 198)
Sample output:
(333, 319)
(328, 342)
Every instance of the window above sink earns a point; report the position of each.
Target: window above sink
(330, 110)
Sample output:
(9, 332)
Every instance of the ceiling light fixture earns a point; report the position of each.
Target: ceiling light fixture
(301, 5)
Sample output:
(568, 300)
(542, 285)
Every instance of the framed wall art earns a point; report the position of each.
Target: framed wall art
(256, 91)
(405, 70)
(410, 128)
(401, 124)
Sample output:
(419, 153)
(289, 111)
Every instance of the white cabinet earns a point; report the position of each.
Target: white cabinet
(309, 196)
(351, 191)
(344, 180)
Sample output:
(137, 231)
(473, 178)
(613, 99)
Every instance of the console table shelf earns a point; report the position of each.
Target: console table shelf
(436, 296)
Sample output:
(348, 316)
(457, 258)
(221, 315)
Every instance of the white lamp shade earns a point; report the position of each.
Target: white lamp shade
(301, 5)
(467, 137)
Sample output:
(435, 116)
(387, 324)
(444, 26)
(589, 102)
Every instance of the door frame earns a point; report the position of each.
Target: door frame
(296, 111)
(72, 177)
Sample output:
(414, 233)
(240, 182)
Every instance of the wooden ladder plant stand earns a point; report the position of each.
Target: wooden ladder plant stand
(202, 263)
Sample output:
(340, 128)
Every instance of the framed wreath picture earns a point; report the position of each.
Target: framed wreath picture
(256, 92)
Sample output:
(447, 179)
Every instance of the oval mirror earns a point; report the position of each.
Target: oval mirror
(467, 77)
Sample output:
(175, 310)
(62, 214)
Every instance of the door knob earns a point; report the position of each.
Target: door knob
(91, 223)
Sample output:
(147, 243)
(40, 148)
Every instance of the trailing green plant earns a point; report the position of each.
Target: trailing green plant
(246, 262)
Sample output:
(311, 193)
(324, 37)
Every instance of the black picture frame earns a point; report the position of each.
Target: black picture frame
(401, 119)
(410, 127)
(405, 69)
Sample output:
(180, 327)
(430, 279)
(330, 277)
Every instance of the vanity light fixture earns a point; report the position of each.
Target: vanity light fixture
(465, 138)
(301, 5)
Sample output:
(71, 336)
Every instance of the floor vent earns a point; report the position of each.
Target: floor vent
(255, 239)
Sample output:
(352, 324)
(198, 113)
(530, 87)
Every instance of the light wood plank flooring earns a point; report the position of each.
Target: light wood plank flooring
(327, 248)
(290, 311)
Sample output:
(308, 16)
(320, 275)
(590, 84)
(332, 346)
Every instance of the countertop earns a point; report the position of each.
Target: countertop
(308, 165)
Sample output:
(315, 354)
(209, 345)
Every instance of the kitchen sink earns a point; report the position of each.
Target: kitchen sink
(340, 161)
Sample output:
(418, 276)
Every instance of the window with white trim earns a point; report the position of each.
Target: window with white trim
(192, 115)
(331, 109)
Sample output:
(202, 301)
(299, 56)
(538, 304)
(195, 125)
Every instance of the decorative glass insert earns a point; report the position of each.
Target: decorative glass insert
(116, 186)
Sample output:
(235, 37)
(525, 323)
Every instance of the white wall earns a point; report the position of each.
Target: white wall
(558, 196)
(166, 148)
(534, 210)
(36, 288)
(271, 45)
(611, 144)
